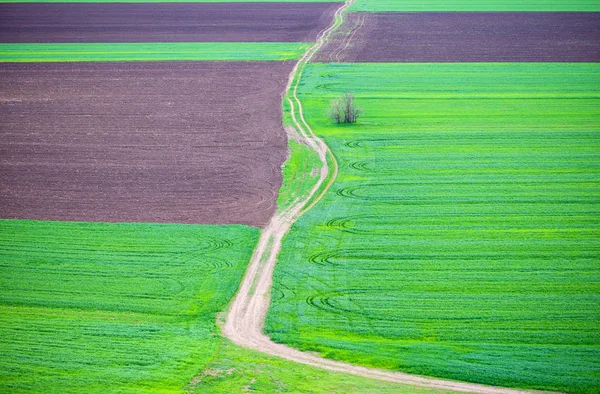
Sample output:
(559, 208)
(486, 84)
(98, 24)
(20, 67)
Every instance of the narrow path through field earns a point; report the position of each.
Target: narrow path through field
(245, 320)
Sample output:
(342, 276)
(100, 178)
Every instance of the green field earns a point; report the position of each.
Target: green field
(239, 370)
(86, 306)
(461, 238)
(169, 1)
(300, 174)
(475, 5)
(155, 51)
(96, 307)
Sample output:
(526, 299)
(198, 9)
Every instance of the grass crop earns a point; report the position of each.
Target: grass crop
(238, 370)
(156, 51)
(461, 238)
(302, 162)
(168, 1)
(476, 5)
(97, 307)
(131, 307)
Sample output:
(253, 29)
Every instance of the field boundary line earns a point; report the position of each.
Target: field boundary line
(244, 322)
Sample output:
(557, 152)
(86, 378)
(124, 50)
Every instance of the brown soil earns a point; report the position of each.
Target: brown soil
(163, 22)
(466, 37)
(189, 142)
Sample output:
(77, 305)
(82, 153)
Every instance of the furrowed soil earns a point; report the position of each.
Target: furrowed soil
(466, 37)
(172, 22)
(186, 142)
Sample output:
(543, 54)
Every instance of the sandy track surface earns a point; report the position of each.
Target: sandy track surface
(246, 317)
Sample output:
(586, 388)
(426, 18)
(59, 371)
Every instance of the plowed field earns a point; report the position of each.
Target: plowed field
(173, 22)
(466, 37)
(468, 5)
(189, 142)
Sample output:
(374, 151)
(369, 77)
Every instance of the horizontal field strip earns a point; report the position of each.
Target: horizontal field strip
(139, 267)
(171, 1)
(475, 5)
(156, 51)
(172, 22)
(459, 37)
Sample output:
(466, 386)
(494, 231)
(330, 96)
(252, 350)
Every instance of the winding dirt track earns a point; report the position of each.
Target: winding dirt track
(245, 320)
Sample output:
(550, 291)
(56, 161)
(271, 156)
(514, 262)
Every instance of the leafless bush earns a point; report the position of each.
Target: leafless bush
(344, 109)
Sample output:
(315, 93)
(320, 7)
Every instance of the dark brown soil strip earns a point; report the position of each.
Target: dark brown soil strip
(163, 22)
(467, 37)
(189, 142)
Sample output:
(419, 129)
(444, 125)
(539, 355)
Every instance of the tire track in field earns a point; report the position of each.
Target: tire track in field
(342, 48)
(244, 322)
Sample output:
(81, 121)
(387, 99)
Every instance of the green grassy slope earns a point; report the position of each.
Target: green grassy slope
(155, 51)
(475, 5)
(85, 306)
(462, 236)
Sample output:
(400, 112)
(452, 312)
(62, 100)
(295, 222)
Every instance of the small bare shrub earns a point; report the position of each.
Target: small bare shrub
(344, 109)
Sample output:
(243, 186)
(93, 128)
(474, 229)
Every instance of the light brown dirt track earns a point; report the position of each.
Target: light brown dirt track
(245, 319)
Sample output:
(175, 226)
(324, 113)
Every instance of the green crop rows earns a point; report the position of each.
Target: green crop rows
(461, 238)
(168, 1)
(91, 307)
(154, 51)
(476, 5)
(85, 306)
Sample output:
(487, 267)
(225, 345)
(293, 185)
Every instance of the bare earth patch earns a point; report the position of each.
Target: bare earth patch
(163, 22)
(187, 142)
(466, 37)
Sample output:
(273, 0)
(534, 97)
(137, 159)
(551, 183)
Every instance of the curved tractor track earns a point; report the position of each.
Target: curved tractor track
(245, 320)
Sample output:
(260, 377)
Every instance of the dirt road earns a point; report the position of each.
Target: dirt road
(245, 320)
